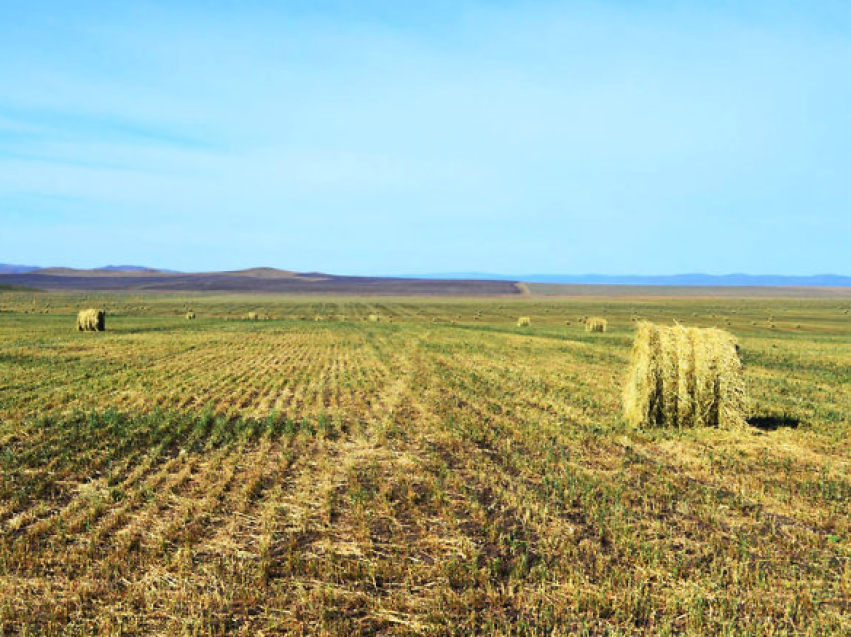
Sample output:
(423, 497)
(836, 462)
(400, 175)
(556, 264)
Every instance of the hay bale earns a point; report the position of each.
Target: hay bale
(524, 321)
(252, 316)
(190, 316)
(374, 318)
(91, 320)
(684, 377)
(596, 324)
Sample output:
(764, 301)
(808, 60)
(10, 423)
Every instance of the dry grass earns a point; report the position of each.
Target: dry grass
(684, 377)
(292, 477)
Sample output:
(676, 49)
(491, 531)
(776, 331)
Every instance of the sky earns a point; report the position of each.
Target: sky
(392, 137)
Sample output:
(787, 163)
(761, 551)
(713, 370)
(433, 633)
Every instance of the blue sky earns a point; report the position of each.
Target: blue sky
(393, 137)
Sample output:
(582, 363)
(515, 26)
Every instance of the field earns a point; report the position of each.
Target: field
(440, 471)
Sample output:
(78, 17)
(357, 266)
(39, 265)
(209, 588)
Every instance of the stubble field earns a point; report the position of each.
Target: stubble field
(441, 471)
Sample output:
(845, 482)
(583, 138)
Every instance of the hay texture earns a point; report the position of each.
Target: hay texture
(684, 377)
(596, 324)
(524, 321)
(91, 320)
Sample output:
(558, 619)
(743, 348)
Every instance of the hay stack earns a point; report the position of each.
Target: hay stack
(596, 324)
(684, 377)
(91, 320)
(252, 316)
(190, 316)
(524, 321)
(374, 318)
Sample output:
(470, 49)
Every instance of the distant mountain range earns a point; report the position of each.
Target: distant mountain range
(125, 277)
(697, 279)
(255, 280)
(8, 268)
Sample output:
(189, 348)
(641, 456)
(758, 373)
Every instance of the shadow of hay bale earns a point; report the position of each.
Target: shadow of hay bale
(773, 423)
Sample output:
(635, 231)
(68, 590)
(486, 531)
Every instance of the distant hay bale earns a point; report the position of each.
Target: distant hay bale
(91, 320)
(524, 321)
(374, 318)
(596, 324)
(190, 316)
(318, 319)
(684, 377)
(252, 316)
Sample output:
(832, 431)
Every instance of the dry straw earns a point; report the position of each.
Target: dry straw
(524, 321)
(684, 377)
(596, 324)
(91, 320)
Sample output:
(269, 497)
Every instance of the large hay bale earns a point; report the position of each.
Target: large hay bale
(684, 377)
(91, 320)
(190, 316)
(596, 324)
(374, 318)
(252, 316)
(524, 321)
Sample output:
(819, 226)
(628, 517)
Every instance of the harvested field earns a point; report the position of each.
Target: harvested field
(440, 472)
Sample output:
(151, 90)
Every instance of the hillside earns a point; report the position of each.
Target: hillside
(266, 280)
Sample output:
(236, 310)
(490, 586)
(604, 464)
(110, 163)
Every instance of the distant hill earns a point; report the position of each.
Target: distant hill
(700, 280)
(131, 268)
(8, 268)
(272, 280)
(263, 280)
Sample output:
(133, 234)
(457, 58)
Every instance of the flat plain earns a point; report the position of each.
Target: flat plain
(438, 471)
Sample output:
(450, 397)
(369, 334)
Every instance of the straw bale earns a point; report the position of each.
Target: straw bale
(91, 320)
(596, 324)
(684, 377)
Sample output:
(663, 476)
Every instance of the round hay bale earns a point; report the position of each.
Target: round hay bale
(524, 321)
(91, 320)
(190, 316)
(596, 324)
(252, 316)
(374, 318)
(684, 377)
